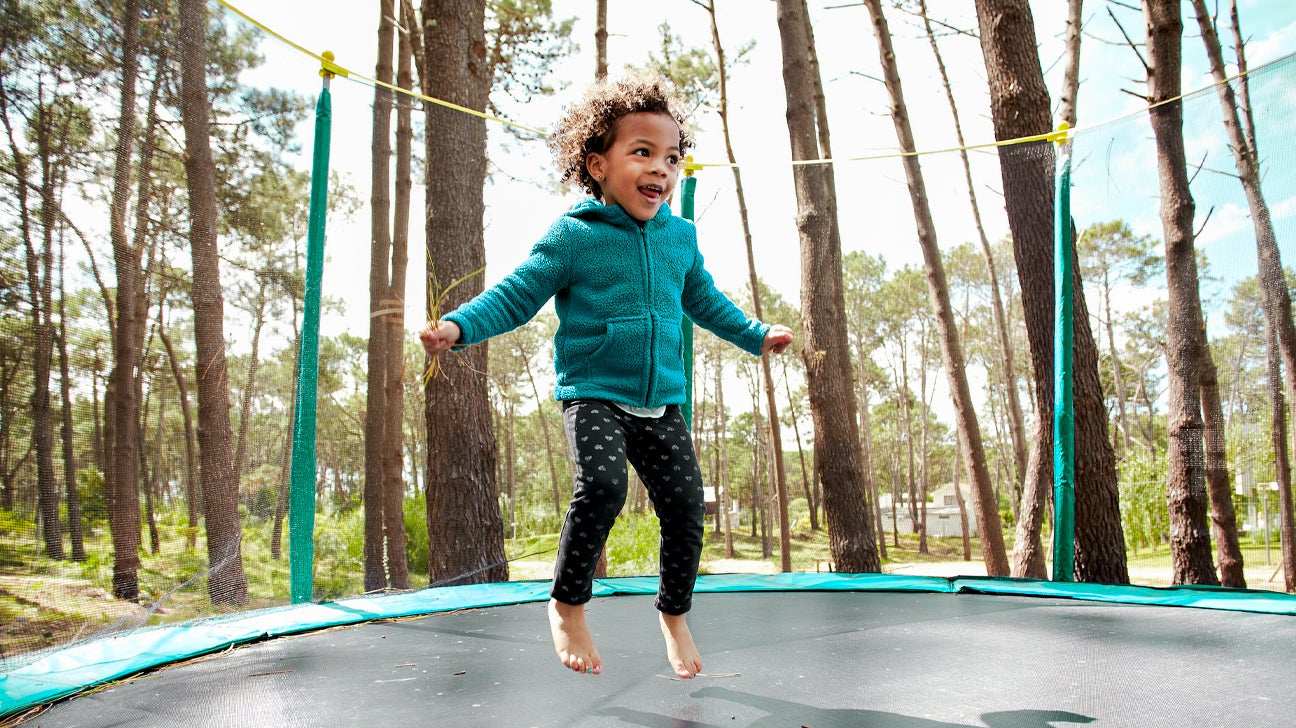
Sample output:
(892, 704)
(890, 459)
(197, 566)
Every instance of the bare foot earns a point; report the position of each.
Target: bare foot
(680, 650)
(572, 639)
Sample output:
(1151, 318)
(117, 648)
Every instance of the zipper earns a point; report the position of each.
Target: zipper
(652, 322)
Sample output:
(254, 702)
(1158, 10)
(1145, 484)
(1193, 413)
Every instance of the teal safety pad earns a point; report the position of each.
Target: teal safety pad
(95, 662)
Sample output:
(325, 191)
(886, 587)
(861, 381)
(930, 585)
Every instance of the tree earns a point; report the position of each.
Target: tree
(1110, 255)
(464, 526)
(1185, 472)
(1017, 429)
(824, 347)
(1277, 297)
(983, 497)
(720, 73)
(128, 338)
(381, 308)
(1020, 107)
(600, 40)
(863, 280)
(226, 582)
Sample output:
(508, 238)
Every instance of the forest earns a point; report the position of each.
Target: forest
(154, 228)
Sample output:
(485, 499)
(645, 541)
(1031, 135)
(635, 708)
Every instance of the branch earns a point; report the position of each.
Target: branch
(1133, 46)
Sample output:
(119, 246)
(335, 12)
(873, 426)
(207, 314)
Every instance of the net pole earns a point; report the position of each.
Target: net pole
(1063, 369)
(687, 196)
(301, 489)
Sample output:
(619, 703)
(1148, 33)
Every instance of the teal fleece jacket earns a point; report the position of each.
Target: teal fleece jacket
(621, 290)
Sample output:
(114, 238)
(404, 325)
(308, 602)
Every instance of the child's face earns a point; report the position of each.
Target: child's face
(639, 170)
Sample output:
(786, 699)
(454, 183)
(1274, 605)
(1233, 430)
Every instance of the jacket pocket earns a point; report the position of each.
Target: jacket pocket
(621, 362)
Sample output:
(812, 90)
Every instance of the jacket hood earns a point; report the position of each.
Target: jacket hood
(594, 209)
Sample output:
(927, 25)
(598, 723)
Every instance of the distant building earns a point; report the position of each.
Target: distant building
(943, 518)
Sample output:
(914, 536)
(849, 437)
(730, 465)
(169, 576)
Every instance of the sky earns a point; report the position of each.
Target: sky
(875, 214)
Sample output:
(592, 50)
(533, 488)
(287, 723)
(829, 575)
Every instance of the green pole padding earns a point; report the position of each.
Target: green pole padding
(301, 491)
(686, 326)
(1063, 400)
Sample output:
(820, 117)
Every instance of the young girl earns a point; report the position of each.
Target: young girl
(622, 271)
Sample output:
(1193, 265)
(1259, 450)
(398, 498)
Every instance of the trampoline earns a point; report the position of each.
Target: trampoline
(789, 650)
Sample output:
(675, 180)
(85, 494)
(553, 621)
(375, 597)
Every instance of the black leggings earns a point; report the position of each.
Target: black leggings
(602, 437)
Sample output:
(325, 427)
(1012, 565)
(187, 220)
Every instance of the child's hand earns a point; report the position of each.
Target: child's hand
(440, 337)
(777, 339)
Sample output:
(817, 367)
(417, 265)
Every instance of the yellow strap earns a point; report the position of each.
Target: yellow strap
(328, 66)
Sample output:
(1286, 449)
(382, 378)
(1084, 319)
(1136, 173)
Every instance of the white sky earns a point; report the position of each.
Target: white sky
(874, 210)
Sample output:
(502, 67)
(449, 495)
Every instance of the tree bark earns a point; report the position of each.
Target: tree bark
(825, 350)
(226, 582)
(393, 432)
(1019, 108)
(1185, 473)
(465, 531)
(1071, 73)
(123, 473)
(375, 574)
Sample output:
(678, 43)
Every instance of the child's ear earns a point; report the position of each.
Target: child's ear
(595, 164)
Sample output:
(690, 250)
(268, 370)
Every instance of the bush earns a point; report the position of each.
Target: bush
(632, 547)
(416, 534)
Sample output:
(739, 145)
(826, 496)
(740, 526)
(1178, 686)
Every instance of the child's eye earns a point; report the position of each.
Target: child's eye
(643, 152)
(672, 160)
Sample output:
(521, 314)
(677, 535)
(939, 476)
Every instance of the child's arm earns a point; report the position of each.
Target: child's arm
(437, 339)
(777, 339)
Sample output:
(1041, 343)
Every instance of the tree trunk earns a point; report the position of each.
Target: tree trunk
(1071, 74)
(1029, 557)
(75, 532)
(812, 499)
(193, 484)
(375, 574)
(837, 453)
(1020, 107)
(983, 498)
(1222, 515)
(544, 431)
(753, 281)
(600, 39)
(40, 276)
(226, 582)
(249, 385)
(393, 432)
(866, 447)
(1185, 473)
(123, 414)
(1273, 285)
(1016, 428)
(722, 469)
(466, 535)
(1117, 379)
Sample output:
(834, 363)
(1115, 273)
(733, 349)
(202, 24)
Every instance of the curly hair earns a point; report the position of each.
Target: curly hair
(590, 125)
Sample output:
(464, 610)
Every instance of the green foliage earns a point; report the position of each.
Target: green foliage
(1145, 517)
(632, 547)
(17, 539)
(339, 553)
(416, 534)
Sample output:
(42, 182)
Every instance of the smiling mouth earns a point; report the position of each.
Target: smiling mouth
(651, 191)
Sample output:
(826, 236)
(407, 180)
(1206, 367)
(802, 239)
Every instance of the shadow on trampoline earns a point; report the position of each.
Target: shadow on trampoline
(790, 713)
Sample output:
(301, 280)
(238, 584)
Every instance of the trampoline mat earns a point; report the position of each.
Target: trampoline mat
(895, 659)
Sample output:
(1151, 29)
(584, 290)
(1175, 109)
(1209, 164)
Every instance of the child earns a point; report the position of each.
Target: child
(622, 271)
